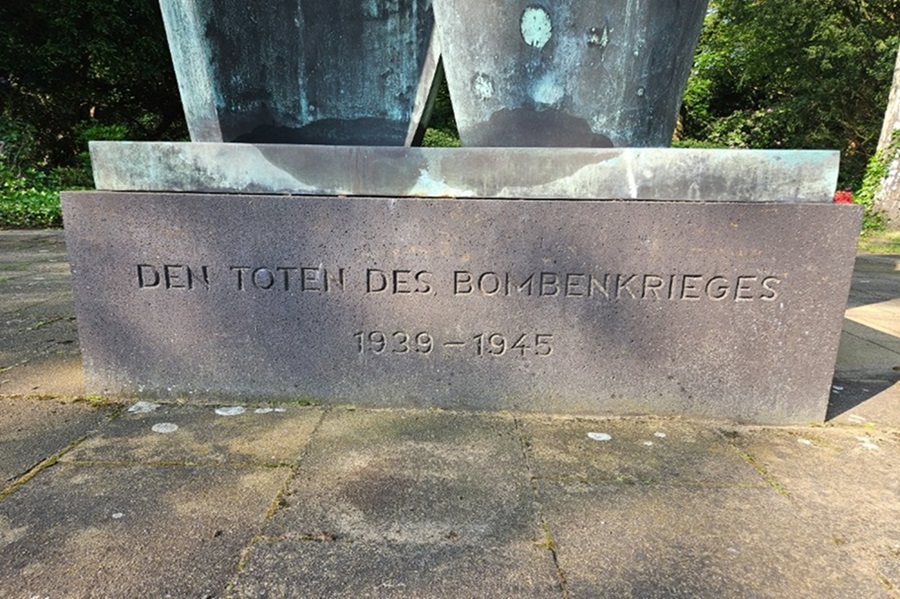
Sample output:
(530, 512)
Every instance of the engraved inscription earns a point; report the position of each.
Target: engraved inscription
(287, 278)
(398, 342)
(418, 282)
(497, 344)
(399, 282)
(172, 276)
(616, 287)
(482, 344)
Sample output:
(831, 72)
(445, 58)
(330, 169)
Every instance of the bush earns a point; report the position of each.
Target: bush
(439, 138)
(29, 199)
(876, 170)
(29, 195)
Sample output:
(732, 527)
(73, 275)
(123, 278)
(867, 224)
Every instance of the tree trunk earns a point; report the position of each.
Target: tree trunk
(888, 198)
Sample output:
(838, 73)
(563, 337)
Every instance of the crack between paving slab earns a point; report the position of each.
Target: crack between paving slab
(178, 464)
(276, 504)
(48, 322)
(547, 542)
(629, 481)
(56, 296)
(771, 480)
(887, 585)
(47, 463)
(861, 338)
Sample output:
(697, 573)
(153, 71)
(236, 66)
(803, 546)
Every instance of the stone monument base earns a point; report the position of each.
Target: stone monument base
(705, 309)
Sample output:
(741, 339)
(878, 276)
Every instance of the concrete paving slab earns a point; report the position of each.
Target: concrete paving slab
(298, 569)
(618, 541)
(867, 373)
(202, 435)
(33, 267)
(881, 316)
(634, 451)
(406, 502)
(58, 375)
(31, 431)
(875, 279)
(868, 401)
(39, 352)
(82, 531)
(865, 350)
(32, 246)
(845, 481)
(412, 477)
(37, 331)
(411, 502)
(21, 290)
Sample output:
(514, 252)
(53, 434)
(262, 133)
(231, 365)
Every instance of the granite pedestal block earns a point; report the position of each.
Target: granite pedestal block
(719, 310)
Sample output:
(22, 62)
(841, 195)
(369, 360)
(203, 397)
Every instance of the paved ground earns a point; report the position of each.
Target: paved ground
(173, 500)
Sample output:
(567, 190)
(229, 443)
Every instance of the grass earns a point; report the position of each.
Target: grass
(879, 242)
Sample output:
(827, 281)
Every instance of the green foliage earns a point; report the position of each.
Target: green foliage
(696, 144)
(876, 171)
(64, 63)
(441, 130)
(28, 199)
(794, 74)
(439, 138)
(29, 196)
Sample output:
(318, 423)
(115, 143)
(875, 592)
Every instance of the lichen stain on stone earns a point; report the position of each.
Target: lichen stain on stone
(536, 26)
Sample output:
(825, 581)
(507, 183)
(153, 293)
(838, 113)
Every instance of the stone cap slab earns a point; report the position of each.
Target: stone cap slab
(784, 176)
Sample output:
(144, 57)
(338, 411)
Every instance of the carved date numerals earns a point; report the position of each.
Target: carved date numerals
(398, 342)
(496, 344)
(483, 344)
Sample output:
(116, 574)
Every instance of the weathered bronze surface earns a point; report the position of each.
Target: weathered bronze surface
(303, 71)
(586, 74)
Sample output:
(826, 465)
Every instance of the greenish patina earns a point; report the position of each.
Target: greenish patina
(303, 71)
(594, 74)
(785, 176)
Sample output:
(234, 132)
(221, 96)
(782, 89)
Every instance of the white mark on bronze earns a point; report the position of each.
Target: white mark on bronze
(536, 27)
(547, 91)
(598, 38)
(483, 86)
(600, 436)
(164, 428)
